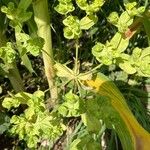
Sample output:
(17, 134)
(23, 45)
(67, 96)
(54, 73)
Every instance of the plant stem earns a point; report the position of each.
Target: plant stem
(15, 78)
(76, 59)
(42, 19)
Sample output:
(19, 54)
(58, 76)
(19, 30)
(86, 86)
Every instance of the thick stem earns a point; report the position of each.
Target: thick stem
(15, 78)
(42, 19)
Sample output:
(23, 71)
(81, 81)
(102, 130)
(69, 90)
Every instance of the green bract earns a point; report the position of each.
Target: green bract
(85, 142)
(138, 62)
(7, 53)
(88, 21)
(27, 44)
(35, 45)
(64, 7)
(127, 17)
(113, 18)
(132, 10)
(72, 29)
(124, 22)
(113, 52)
(74, 26)
(73, 106)
(90, 8)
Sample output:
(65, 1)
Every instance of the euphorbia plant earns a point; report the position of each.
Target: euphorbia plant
(88, 95)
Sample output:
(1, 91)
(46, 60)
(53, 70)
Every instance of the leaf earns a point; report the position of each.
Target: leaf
(127, 127)
(85, 142)
(64, 71)
(124, 22)
(127, 67)
(72, 29)
(64, 8)
(88, 21)
(4, 122)
(9, 102)
(146, 23)
(16, 15)
(27, 63)
(119, 43)
(145, 52)
(1, 90)
(97, 49)
(24, 4)
(113, 18)
(7, 53)
(34, 46)
(73, 105)
(39, 94)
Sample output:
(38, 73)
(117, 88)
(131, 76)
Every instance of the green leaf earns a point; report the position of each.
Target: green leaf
(16, 15)
(72, 29)
(39, 94)
(124, 21)
(64, 8)
(7, 53)
(4, 122)
(34, 46)
(82, 4)
(97, 49)
(94, 6)
(127, 67)
(27, 63)
(113, 18)
(146, 23)
(24, 4)
(64, 71)
(88, 21)
(118, 43)
(86, 142)
(72, 107)
(32, 141)
(10, 102)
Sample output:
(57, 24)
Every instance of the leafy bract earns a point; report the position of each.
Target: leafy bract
(72, 29)
(85, 142)
(7, 53)
(88, 21)
(64, 7)
(73, 106)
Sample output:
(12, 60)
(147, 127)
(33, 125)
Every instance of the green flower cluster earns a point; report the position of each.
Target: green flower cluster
(16, 15)
(126, 18)
(74, 26)
(73, 106)
(113, 52)
(64, 7)
(36, 123)
(7, 53)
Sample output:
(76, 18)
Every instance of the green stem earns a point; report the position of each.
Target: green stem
(42, 19)
(15, 78)
(76, 59)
